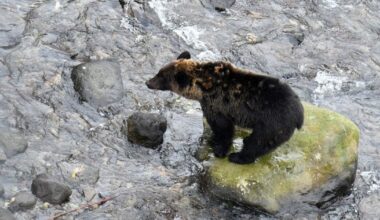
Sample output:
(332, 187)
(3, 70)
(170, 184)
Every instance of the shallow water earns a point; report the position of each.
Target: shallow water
(329, 51)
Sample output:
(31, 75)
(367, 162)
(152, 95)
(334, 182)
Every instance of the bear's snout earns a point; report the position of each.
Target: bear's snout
(149, 84)
(153, 83)
(158, 83)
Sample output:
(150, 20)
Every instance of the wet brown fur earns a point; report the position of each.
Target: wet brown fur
(207, 75)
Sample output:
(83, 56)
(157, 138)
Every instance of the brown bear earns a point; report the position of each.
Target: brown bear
(231, 96)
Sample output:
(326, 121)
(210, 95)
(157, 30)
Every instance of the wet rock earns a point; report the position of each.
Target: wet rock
(146, 129)
(12, 142)
(22, 201)
(79, 173)
(317, 164)
(367, 207)
(49, 190)
(5, 214)
(98, 82)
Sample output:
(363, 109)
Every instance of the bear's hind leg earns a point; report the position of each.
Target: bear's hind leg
(223, 131)
(254, 146)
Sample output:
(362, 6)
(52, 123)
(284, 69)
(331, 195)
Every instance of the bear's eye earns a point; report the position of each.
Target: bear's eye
(182, 79)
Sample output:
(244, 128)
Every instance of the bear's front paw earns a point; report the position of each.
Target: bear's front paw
(241, 158)
(220, 151)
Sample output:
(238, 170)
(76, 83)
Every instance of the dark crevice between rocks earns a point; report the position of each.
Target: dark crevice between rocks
(218, 9)
(218, 5)
(122, 4)
(73, 56)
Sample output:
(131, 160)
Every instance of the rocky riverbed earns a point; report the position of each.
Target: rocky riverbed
(328, 50)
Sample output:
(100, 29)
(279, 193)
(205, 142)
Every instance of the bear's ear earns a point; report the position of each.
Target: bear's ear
(184, 55)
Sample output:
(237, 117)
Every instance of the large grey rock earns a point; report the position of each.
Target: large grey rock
(12, 142)
(49, 190)
(146, 129)
(23, 201)
(98, 82)
(5, 214)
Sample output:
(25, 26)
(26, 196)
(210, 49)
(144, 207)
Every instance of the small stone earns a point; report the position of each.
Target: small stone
(5, 214)
(98, 82)
(49, 190)
(202, 153)
(45, 205)
(12, 142)
(146, 129)
(22, 201)
(252, 39)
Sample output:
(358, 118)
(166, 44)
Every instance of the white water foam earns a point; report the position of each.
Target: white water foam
(57, 5)
(190, 34)
(166, 16)
(330, 3)
(329, 83)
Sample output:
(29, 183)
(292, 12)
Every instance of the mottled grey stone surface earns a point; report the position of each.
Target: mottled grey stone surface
(98, 82)
(22, 201)
(49, 190)
(146, 129)
(12, 142)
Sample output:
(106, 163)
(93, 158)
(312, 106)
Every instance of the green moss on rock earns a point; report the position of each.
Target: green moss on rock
(317, 164)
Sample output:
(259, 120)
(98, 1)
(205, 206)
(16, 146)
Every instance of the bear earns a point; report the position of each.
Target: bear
(230, 96)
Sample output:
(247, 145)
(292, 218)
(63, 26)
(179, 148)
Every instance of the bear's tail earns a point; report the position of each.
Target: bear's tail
(299, 124)
(300, 116)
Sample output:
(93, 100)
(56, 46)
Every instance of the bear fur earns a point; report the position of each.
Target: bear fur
(231, 96)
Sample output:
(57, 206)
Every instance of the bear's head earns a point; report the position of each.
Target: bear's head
(178, 76)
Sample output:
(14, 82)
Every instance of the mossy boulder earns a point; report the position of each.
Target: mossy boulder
(314, 167)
